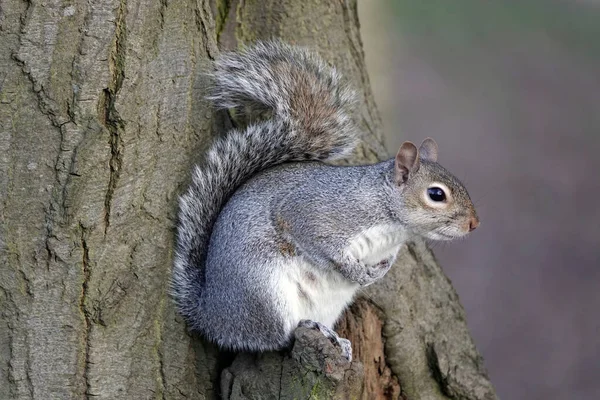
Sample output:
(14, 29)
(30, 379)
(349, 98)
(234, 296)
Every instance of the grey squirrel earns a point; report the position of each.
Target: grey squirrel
(269, 236)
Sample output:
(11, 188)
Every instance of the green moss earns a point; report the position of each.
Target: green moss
(244, 33)
(320, 390)
(223, 7)
(317, 391)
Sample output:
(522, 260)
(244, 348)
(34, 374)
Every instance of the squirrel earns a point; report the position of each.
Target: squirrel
(270, 236)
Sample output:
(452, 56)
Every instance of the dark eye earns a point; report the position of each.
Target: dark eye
(436, 194)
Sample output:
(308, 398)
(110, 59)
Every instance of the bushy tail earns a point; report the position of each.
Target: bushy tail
(310, 110)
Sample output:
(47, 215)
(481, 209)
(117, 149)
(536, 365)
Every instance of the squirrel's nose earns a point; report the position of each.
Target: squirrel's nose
(473, 224)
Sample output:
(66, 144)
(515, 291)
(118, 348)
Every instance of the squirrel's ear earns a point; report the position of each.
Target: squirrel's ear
(407, 162)
(429, 150)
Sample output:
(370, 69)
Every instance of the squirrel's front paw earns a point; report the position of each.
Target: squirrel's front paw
(377, 271)
(363, 274)
(372, 273)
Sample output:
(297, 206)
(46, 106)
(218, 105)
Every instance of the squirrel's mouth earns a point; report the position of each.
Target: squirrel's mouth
(446, 235)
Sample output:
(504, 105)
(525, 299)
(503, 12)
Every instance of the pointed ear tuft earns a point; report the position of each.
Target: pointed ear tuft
(407, 162)
(429, 150)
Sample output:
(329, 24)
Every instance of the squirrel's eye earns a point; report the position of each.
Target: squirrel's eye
(436, 194)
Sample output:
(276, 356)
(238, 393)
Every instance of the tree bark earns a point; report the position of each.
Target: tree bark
(102, 115)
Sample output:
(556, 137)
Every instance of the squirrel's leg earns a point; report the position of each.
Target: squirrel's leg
(344, 344)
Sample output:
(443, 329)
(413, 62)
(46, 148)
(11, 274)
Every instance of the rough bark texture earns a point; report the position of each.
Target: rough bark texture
(101, 118)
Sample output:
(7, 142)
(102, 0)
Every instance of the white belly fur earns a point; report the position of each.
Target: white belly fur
(308, 292)
(377, 243)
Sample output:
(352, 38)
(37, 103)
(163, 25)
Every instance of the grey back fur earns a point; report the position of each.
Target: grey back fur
(310, 108)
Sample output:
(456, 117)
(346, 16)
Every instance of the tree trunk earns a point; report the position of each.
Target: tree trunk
(102, 115)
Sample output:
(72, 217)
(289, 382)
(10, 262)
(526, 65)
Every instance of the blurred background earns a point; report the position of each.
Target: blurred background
(510, 90)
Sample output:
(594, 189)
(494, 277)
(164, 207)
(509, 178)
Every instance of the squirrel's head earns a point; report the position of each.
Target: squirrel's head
(435, 203)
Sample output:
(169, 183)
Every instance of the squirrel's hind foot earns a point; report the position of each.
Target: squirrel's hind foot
(344, 344)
